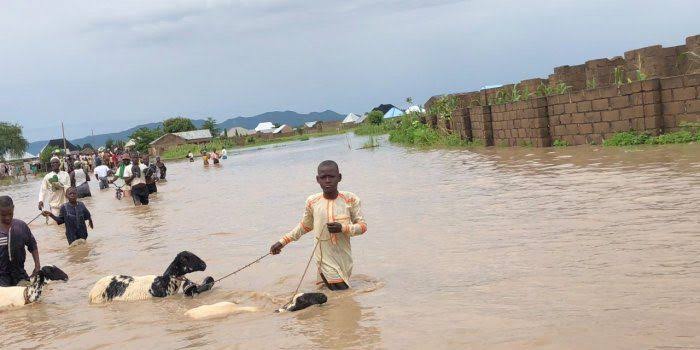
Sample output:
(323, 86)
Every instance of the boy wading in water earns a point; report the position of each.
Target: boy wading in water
(15, 235)
(73, 214)
(333, 217)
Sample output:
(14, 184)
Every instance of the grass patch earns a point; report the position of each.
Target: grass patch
(409, 131)
(560, 143)
(690, 133)
(374, 129)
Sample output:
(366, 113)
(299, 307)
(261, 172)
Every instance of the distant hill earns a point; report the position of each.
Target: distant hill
(281, 117)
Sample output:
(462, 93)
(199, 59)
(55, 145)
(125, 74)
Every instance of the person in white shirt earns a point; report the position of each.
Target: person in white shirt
(135, 176)
(224, 153)
(101, 173)
(54, 186)
(79, 179)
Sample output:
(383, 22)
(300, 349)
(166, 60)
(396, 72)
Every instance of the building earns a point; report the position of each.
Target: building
(393, 113)
(384, 108)
(265, 127)
(350, 119)
(170, 140)
(361, 119)
(58, 144)
(239, 132)
(25, 157)
(130, 144)
(283, 130)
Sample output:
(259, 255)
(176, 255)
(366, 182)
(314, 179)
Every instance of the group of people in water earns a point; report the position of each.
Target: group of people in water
(333, 217)
(214, 156)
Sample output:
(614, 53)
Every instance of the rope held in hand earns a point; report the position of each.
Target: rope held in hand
(304, 274)
(32, 220)
(242, 268)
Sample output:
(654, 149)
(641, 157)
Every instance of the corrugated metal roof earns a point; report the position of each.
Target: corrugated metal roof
(310, 124)
(265, 126)
(195, 134)
(240, 131)
(8, 157)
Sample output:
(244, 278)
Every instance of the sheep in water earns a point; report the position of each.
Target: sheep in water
(125, 288)
(20, 296)
(303, 300)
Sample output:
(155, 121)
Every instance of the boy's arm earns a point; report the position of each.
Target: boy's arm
(88, 216)
(358, 226)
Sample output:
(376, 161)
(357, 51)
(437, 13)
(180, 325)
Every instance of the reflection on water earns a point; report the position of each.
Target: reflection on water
(579, 247)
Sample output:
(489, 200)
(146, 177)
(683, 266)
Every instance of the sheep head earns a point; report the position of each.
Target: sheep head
(184, 263)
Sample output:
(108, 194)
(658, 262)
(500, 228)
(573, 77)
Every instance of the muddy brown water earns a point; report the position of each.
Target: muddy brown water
(576, 248)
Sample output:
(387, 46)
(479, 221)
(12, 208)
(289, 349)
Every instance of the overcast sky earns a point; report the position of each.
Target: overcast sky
(109, 65)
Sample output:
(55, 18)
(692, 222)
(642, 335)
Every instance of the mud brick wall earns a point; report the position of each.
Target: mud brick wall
(461, 124)
(602, 70)
(521, 123)
(481, 128)
(574, 76)
(593, 115)
(680, 101)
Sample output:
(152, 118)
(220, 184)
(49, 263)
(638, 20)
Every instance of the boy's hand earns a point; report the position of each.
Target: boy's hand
(91, 225)
(276, 248)
(334, 227)
(36, 270)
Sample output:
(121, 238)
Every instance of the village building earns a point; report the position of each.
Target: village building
(59, 144)
(350, 119)
(265, 128)
(283, 130)
(170, 140)
(239, 132)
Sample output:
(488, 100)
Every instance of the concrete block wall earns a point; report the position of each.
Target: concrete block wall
(680, 101)
(593, 115)
(523, 123)
(461, 124)
(481, 127)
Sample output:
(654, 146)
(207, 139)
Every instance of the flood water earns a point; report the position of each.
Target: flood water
(572, 248)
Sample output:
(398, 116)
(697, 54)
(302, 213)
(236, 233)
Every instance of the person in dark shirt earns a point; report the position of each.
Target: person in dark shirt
(73, 214)
(15, 235)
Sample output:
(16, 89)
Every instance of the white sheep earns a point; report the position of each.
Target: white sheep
(125, 288)
(221, 309)
(20, 296)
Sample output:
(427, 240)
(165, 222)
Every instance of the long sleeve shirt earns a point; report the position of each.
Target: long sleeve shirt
(334, 254)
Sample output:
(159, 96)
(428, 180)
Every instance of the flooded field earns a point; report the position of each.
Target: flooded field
(573, 248)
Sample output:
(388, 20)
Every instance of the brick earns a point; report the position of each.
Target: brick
(610, 91)
(676, 107)
(619, 101)
(541, 112)
(565, 119)
(624, 89)
(652, 110)
(571, 129)
(651, 97)
(611, 115)
(600, 104)
(586, 128)
(594, 117)
(632, 112)
(559, 130)
(601, 128)
(568, 138)
(637, 124)
(583, 106)
(570, 108)
(687, 93)
(558, 109)
(636, 99)
(620, 125)
(578, 97)
(651, 123)
(692, 106)
(595, 138)
(554, 120)
(636, 86)
(667, 95)
(593, 94)
(688, 118)
(579, 140)
(650, 85)
(579, 118)
(691, 80)
(672, 83)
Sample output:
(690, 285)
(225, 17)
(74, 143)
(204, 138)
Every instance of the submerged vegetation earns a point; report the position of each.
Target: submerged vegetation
(690, 133)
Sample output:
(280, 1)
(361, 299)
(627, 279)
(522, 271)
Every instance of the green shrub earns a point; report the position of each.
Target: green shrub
(631, 138)
(375, 117)
(560, 143)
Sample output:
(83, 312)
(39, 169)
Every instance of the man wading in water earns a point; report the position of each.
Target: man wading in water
(334, 217)
(54, 184)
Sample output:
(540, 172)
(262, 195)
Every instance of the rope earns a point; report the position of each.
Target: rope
(242, 268)
(304, 274)
(32, 220)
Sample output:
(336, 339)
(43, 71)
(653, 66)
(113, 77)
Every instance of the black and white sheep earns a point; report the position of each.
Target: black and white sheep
(125, 288)
(20, 296)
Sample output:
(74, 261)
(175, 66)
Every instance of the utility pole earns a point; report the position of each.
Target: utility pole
(63, 132)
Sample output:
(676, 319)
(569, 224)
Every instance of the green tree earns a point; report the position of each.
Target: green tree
(109, 144)
(178, 124)
(210, 124)
(11, 140)
(375, 117)
(46, 154)
(144, 136)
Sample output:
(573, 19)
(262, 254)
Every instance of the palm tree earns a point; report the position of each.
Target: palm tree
(11, 140)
